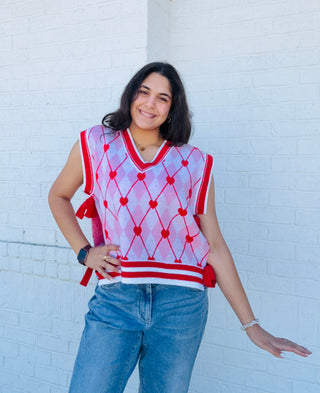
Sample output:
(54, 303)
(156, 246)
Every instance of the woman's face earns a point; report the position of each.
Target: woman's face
(151, 106)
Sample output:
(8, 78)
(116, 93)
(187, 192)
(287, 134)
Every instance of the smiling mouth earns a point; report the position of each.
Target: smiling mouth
(147, 115)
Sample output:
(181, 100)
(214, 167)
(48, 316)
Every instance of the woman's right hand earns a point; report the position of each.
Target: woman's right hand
(100, 260)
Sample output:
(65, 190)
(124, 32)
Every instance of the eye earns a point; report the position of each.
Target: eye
(163, 99)
(143, 92)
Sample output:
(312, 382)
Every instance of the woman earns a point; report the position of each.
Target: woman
(150, 189)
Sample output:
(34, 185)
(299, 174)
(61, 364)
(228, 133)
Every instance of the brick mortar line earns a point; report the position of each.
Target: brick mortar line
(34, 244)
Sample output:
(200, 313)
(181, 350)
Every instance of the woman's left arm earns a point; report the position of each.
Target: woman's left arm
(229, 282)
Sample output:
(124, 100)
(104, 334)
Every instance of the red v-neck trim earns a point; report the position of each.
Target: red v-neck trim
(135, 157)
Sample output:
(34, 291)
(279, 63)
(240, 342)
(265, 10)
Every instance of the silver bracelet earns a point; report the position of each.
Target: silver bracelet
(249, 324)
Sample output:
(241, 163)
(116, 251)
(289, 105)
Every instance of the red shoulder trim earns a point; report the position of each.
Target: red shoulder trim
(203, 190)
(87, 173)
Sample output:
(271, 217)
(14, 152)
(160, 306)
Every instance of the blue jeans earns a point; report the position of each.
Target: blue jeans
(159, 326)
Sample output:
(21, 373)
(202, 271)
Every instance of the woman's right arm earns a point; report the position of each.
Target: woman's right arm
(60, 195)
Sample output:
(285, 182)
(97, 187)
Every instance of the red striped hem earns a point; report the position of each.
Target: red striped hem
(88, 175)
(203, 190)
(171, 266)
(168, 276)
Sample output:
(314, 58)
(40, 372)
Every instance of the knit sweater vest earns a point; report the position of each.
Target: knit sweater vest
(149, 209)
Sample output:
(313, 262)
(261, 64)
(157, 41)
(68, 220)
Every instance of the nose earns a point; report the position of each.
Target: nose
(150, 100)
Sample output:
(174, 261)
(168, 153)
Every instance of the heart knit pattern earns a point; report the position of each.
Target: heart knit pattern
(149, 208)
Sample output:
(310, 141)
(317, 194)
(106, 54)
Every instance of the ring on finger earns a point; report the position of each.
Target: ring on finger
(105, 258)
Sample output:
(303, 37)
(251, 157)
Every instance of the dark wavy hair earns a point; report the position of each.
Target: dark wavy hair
(177, 127)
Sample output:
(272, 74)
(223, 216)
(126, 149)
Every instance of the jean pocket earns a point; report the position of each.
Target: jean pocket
(107, 287)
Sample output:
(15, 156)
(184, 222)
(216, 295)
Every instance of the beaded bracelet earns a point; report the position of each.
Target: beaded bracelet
(249, 324)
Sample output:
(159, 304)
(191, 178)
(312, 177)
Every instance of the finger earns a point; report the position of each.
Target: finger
(273, 350)
(111, 260)
(289, 346)
(109, 267)
(111, 247)
(103, 273)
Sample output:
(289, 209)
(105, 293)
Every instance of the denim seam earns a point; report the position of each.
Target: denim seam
(126, 366)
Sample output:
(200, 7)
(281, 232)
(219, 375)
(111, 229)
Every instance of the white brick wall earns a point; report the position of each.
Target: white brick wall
(251, 70)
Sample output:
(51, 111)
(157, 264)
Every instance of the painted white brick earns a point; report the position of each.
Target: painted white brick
(272, 181)
(283, 215)
(9, 317)
(10, 389)
(309, 314)
(242, 230)
(261, 248)
(273, 146)
(34, 354)
(33, 385)
(243, 360)
(309, 6)
(8, 348)
(292, 370)
(308, 289)
(17, 365)
(309, 146)
(291, 269)
(300, 386)
(231, 388)
(52, 343)
(296, 57)
(292, 198)
(35, 322)
(246, 197)
(276, 77)
(38, 268)
(66, 329)
(19, 335)
(56, 389)
(51, 374)
(271, 284)
(293, 233)
(262, 380)
(307, 217)
(248, 163)
(307, 253)
(251, 263)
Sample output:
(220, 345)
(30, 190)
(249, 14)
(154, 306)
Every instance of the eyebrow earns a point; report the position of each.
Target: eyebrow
(162, 94)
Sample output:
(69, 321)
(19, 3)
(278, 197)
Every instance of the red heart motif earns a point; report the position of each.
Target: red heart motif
(106, 234)
(123, 201)
(185, 162)
(97, 176)
(113, 174)
(141, 176)
(105, 204)
(153, 204)
(178, 261)
(182, 212)
(190, 192)
(124, 258)
(189, 239)
(170, 180)
(150, 258)
(106, 147)
(165, 233)
(137, 230)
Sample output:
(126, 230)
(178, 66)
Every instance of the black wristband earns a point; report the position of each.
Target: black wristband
(83, 254)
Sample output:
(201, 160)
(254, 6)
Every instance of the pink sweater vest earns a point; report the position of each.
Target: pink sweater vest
(148, 208)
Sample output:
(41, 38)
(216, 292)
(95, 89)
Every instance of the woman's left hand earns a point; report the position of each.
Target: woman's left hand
(274, 345)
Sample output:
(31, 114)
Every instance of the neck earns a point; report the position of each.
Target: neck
(146, 137)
